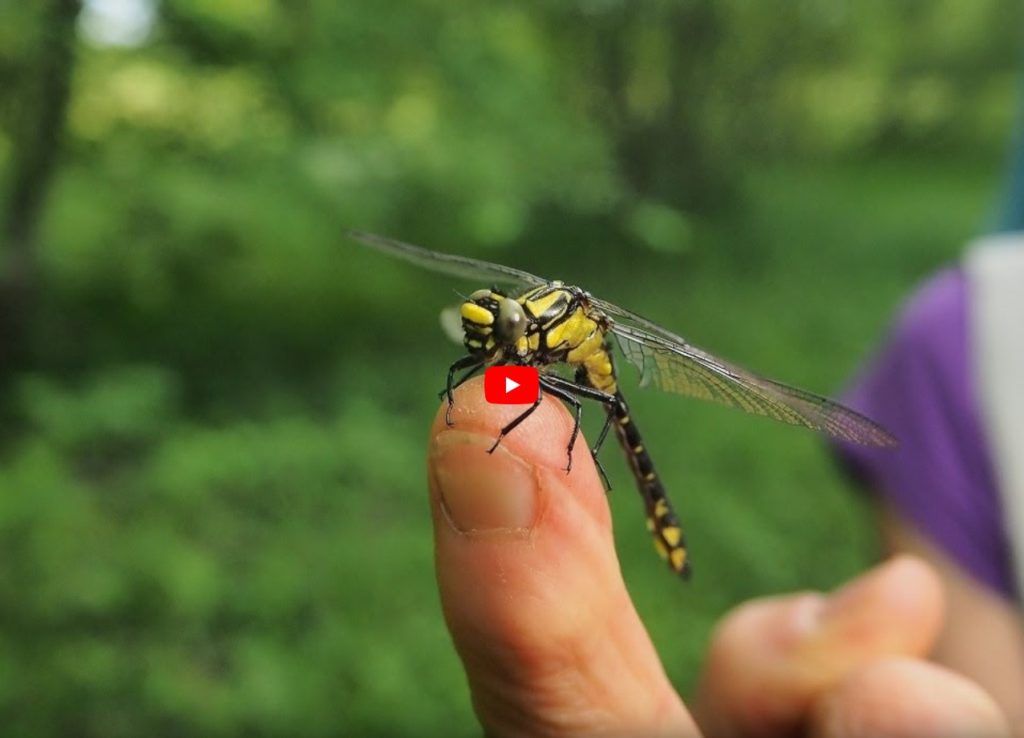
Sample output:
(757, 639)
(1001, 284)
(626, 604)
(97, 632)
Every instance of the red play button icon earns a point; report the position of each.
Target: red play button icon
(511, 385)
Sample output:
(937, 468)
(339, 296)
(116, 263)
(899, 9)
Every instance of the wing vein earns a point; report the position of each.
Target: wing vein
(451, 264)
(671, 364)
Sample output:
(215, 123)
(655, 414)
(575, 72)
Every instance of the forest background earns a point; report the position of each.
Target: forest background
(212, 506)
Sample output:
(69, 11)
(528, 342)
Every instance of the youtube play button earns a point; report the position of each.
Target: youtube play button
(511, 385)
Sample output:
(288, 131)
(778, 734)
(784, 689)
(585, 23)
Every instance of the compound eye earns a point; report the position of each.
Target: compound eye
(511, 323)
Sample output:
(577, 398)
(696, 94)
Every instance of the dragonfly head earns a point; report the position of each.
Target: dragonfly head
(491, 320)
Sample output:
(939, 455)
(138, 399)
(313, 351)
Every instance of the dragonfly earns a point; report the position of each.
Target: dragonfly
(547, 324)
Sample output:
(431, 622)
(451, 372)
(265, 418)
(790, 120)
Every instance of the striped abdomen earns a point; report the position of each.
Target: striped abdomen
(661, 519)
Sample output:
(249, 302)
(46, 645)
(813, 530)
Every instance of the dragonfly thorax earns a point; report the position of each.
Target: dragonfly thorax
(492, 321)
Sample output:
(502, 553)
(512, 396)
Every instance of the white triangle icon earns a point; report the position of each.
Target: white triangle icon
(510, 385)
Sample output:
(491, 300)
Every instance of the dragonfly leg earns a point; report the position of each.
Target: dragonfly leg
(516, 421)
(474, 366)
(581, 390)
(597, 449)
(465, 377)
(577, 407)
(604, 434)
(564, 388)
(602, 472)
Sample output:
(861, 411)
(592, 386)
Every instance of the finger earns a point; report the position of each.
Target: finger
(906, 698)
(530, 582)
(771, 658)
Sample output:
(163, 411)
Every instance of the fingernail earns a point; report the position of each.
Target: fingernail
(852, 594)
(847, 597)
(483, 491)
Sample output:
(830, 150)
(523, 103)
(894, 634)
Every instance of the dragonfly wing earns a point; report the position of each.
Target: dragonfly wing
(456, 266)
(671, 364)
(451, 323)
(645, 325)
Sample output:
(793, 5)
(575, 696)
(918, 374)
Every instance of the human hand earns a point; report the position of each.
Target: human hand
(552, 645)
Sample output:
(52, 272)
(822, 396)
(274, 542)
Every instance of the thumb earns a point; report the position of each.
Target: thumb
(771, 659)
(530, 583)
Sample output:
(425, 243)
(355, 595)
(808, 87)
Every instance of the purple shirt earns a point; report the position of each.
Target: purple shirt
(921, 387)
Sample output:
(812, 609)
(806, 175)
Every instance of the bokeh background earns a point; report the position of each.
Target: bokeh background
(213, 518)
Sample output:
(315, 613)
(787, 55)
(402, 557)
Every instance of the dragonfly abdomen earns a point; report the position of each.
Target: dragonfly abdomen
(661, 518)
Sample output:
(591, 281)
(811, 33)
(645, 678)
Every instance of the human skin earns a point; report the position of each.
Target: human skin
(552, 645)
(982, 636)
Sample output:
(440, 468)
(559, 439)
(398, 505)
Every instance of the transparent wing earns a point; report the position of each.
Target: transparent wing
(451, 323)
(670, 363)
(456, 266)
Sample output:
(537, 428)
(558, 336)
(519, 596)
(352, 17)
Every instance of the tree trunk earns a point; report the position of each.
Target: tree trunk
(36, 142)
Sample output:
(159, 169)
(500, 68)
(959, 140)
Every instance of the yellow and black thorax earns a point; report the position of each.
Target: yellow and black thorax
(546, 325)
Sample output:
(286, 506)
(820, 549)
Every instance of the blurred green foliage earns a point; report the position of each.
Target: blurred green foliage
(212, 515)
